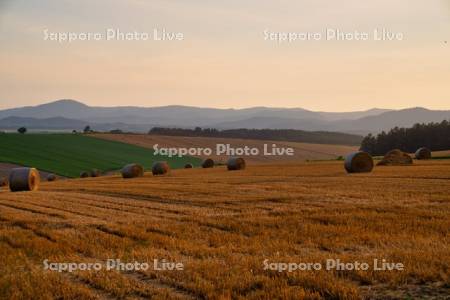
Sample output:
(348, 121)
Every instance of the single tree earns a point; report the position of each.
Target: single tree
(87, 129)
(22, 130)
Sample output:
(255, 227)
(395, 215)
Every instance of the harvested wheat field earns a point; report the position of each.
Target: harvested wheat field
(223, 226)
(302, 151)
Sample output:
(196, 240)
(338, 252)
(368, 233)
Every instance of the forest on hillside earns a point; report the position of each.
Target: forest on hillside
(435, 136)
(290, 135)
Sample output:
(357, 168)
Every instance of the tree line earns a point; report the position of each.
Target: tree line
(435, 136)
(292, 135)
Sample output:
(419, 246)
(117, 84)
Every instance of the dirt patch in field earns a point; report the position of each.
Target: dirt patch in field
(302, 151)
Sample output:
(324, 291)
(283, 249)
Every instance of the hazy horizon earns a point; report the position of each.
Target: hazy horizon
(211, 107)
(223, 60)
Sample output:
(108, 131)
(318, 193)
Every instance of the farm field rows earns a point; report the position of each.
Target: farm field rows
(222, 226)
(70, 154)
(302, 151)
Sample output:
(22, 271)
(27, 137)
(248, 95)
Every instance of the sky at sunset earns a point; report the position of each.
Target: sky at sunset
(225, 58)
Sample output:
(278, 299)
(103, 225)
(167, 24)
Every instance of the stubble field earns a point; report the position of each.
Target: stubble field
(222, 226)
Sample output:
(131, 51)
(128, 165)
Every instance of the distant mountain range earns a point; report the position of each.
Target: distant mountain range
(70, 114)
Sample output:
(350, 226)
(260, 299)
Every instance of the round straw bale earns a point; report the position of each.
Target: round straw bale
(132, 171)
(188, 166)
(423, 153)
(95, 173)
(208, 163)
(24, 179)
(235, 163)
(396, 157)
(51, 177)
(358, 162)
(84, 174)
(160, 168)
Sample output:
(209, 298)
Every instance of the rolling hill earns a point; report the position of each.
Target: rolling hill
(141, 119)
(69, 154)
(169, 115)
(371, 123)
(302, 151)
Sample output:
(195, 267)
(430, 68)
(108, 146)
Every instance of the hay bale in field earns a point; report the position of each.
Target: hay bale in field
(160, 168)
(24, 179)
(423, 153)
(84, 174)
(188, 166)
(132, 171)
(208, 163)
(396, 157)
(51, 177)
(236, 163)
(358, 162)
(95, 173)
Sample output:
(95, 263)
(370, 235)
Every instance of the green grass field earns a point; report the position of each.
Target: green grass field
(69, 154)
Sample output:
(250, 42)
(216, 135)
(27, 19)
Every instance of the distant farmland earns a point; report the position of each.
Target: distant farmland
(302, 151)
(69, 154)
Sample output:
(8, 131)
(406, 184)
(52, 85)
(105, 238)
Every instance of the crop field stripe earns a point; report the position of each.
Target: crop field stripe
(160, 283)
(111, 231)
(92, 208)
(97, 205)
(31, 210)
(68, 211)
(164, 207)
(104, 210)
(119, 202)
(103, 292)
(37, 233)
(67, 278)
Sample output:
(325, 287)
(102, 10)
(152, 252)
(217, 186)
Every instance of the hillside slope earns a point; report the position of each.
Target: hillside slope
(141, 119)
(69, 154)
(302, 151)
